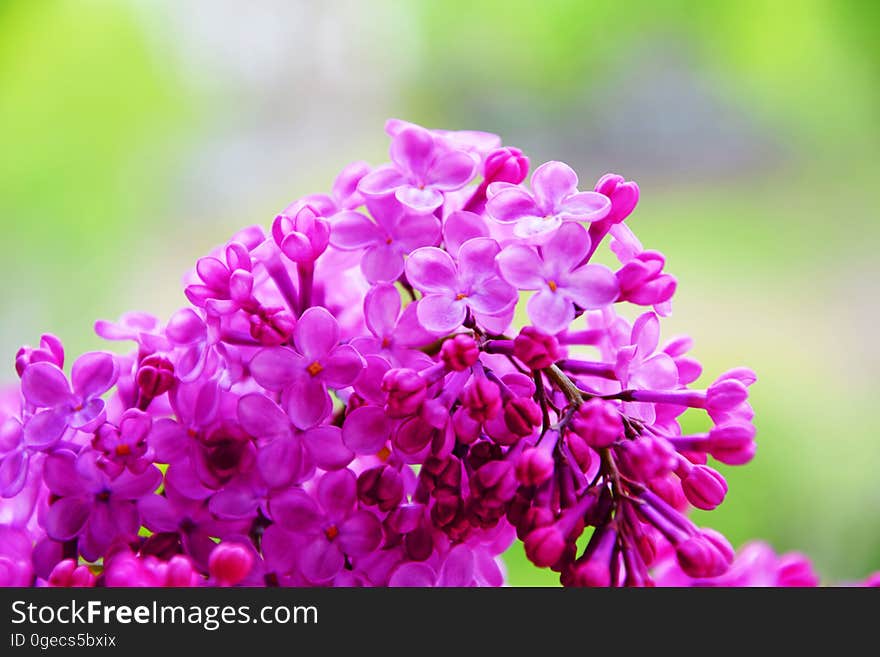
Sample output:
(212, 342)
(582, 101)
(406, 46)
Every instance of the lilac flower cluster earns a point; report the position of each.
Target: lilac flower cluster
(344, 402)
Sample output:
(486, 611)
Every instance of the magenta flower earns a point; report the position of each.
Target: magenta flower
(226, 286)
(395, 233)
(124, 445)
(558, 273)
(554, 199)
(91, 505)
(452, 289)
(190, 520)
(393, 333)
(304, 372)
(301, 233)
(333, 525)
(288, 455)
(422, 172)
(44, 386)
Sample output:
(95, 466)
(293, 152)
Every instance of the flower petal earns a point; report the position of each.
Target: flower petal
(381, 309)
(316, 333)
(360, 533)
(567, 248)
(66, 518)
(158, 514)
(521, 267)
(44, 384)
(352, 230)
(45, 428)
(93, 374)
(366, 429)
(420, 201)
(551, 183)
(281, 462)
(326, 447)
(275, 368)
(337, 493)
(550, 311)
(60, 474)
(585, 206)
(381, 181)
(441, 313)
(511, 204)
(412, 150)
(430, 269)
(451, 171)
(295, 510)
(459, 227)
(13, 473)
(342, 366)
(413, 575)
(382, 264)
(261, 417)
(591, 286)
(307, 402)
(321, 560)
(458, 567)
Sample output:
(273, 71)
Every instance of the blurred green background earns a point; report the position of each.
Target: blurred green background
(136, 135)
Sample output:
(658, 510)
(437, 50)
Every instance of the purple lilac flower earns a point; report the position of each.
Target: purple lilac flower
(452, 289)
(558, 272)
(554, 199)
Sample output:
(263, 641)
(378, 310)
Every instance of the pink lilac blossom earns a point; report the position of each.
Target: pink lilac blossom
(346, 401)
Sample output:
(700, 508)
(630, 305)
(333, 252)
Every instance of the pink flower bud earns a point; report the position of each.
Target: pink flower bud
(732, 444)
(180, 572)
(725, 395)
(230, 563)
(505, 165)
(67, 574)
(708, 554)
(380, 486)
(536, 349)
(303, 236)
(795, 570)
(522, 415)
(459, 353)
(482, 398)
(704, 487)
(155, 376)
(646, 458)
(406, 392)
(598, 423)
(534, 466)
(272, 328)
(545, 546)
(624, 196)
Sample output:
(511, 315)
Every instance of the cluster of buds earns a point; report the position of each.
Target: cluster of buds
(352, 399)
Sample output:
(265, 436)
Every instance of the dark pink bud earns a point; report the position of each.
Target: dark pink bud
(725, 395)
(467, 430)
(704, 487)
(623, 195)
(496, 481)
(598, 423)
(534, 466)
(482, 398)
(230, 563)
(506, 165)
(708, 554)
(405, 391)
(380, 486)
(419, 544)
(522, 415)
(460, 352)
(155, 376)
(180, 572)
(581, 452)
(646, 458)
(272, 328)
(532, 518)
(302, 236)
(50, 351)
(66, 574)
(545, 546)
(536, 349)
(732, 444)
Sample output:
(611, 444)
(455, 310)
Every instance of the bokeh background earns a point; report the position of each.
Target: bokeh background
(136, 134)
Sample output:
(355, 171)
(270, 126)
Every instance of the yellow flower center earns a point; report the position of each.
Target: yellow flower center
(315, 368)
(460, 296)
(331, 532)
(552, 285)
(123, 450)
(384, 453)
